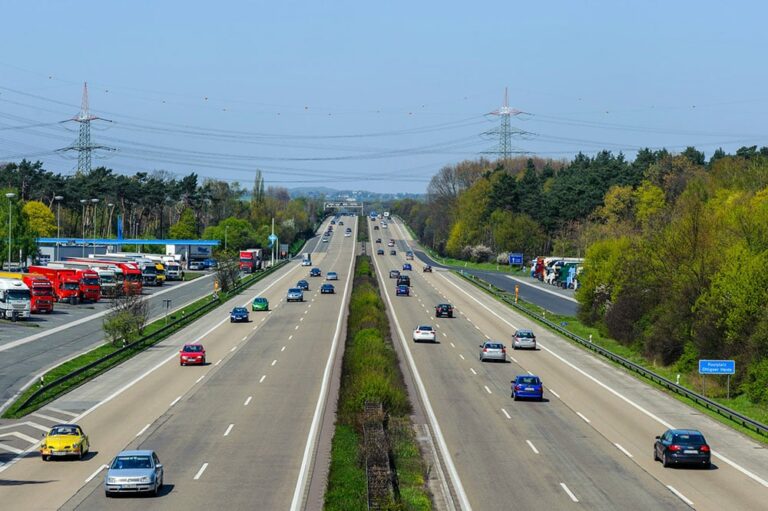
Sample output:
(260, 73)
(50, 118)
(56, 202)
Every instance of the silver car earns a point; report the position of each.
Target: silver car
(524, 339)
(134, 472)
(493, 350)
(295, 295)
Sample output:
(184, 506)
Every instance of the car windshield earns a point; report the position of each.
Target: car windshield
(525, 333)
(193, 348)
(107, 279)
(42, 291)
(63, 430)
(294, 290)
(17, 294)
(528, 380)
(689, 438)
(239, 310)
(259, 300)
(130, 462)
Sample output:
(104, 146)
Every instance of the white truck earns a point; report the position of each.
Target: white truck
(306, 259)
(15, 299)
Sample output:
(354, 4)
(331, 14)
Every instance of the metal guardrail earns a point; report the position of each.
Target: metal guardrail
(137, 344)
(730, 414)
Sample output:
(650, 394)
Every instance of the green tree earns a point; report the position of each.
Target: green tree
(186, 227)
(40, 219)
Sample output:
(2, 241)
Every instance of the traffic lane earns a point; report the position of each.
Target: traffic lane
(620, 422)
(147, 396)
(580, 458)
(261, 394)
(23, 362)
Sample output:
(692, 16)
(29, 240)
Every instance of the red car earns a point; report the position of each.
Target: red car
(192, 354)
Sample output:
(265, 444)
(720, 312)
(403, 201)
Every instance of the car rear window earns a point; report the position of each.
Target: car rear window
(494, 345)
(528, 380)
(427, 328)
(689, 438)
(193, 348)
(525, 333)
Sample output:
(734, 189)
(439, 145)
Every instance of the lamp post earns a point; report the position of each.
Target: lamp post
(109, 224)
(94, 201)
(83, 202)
(225, 237)
(58, 199)
(9, 196)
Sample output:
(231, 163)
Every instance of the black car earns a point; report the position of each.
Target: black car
(393, 274)
(315, 272)
(378, 240)
(375, 227)
(380, 251)
(393, 252)
(303, 285)
(444, 310)
(327, 289)
(404, 280)
(427, 268)
(677, 446)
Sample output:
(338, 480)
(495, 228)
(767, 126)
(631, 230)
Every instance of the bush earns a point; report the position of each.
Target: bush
(756, 382)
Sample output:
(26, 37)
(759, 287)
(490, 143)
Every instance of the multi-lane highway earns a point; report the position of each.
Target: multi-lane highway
(587, 445)
(239, 432)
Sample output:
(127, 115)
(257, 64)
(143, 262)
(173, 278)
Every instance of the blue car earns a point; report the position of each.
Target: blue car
(403, 290)
(407, 267)
(134, 472)
(315, 272)
(238, 314)
(527, 386)
(303, 285)
(210, 263)
(327, 289)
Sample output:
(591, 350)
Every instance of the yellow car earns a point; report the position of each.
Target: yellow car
(64, 440)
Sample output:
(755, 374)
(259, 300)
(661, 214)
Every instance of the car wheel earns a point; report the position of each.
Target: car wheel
(44, 457)
(514, 396)
(80, 455)
(664, 460)
(655, 454)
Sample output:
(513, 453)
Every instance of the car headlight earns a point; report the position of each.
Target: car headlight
(145, 479)
(111, 480)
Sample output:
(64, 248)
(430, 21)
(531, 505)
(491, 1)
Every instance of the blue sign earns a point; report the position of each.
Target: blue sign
(717, 366)
(272, 239)
(515, 259)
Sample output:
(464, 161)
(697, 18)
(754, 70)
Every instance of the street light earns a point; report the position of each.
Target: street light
(9, 196)
(225, 237)
(94, 201)
(109, 224)
(83, 202)
(58, 199)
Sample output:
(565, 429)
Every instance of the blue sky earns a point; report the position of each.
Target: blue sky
(375, 96)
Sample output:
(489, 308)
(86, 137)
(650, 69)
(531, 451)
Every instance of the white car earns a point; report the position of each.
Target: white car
(347, 234)
(331, 275)
(424, 333)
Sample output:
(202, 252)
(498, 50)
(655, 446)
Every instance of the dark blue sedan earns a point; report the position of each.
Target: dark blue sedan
(403, 290)
(315, 272)
(238, 314)
(303, 285)
(407, 267)
(327, 289)
(527, 386)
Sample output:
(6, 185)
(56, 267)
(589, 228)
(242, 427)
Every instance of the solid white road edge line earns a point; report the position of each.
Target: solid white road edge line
(453, 473)
(555, 393)
(680, 496)
(90, 477)
(569, 492)
(142, 430)
(582, 417)
(298, 492)
(542, 289)
(200, 379)
(621, 396)
(533, 447)
(200, 472)
(619, 447)
(174, 401)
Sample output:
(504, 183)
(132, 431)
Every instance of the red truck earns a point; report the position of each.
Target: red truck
(250, 260)
(66, 286)
(132, 283)
(40, 290)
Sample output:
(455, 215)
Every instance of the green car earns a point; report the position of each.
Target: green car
(260, 304)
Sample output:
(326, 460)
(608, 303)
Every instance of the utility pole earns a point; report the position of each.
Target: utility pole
(83, 145)
(504, 132)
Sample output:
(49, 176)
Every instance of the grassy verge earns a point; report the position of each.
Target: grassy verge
(634, 354)
(187, 312)
(370, 372)
(192, 275)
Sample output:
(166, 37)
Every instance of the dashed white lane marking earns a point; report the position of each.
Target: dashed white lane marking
(473, 371)
(282, 349)
(444, 334)
(569, 492)
(200, 472)
(506, 413)
(582, 416)
(619, 447)
(477, 327)
(218, 362)
(487, 389)
(555, 393)
(233, 349)
(262, 378)
(681, 496)
(306, 311)
(301, 319)
(462, 356)
(229, 428)
(290, 337)
(174, 401)
(90, 477)
(453, 345)
(244, 338)
(255, 327)
(262, 319)
(200, 379)
(274, 362)
(513, 359)
(297, 327)
(533, 447)
(530, 373)
(247, 401)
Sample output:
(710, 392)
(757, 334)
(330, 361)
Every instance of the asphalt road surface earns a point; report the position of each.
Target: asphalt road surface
(236, 433)
(587, 446)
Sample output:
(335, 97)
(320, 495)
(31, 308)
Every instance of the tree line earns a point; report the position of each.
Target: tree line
(675, 244)
(152, 205)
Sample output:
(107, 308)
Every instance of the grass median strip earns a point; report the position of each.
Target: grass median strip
(371, 374)
(185, 315)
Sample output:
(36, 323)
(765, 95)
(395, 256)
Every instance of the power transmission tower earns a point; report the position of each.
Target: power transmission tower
(83, 146)
(505, 131)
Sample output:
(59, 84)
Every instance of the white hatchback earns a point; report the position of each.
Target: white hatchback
(424, 333)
